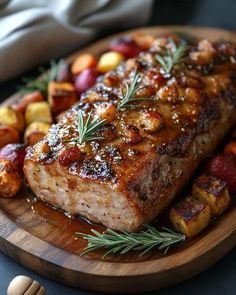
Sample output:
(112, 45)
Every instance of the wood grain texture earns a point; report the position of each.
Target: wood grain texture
(43, 239)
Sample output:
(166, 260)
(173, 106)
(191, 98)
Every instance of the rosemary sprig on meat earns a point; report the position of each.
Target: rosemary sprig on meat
(86, 128)
(169, 58)
(131, 91)
(124, 242)
(41, 84)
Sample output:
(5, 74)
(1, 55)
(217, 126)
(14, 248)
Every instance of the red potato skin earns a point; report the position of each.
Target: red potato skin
(126, 46)
(15, 153)
(223, 167)
(85, 80)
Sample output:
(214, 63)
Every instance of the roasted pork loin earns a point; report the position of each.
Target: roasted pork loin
(147, 151)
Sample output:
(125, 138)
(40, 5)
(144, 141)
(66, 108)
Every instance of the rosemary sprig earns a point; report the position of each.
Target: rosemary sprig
(131, 91)
(170, 58)
(41, 84)
(87, 128)
(124, 242)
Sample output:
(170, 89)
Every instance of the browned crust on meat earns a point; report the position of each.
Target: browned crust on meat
(196, 102)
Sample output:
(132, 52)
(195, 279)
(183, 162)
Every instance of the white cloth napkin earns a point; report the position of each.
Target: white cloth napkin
(34, 31)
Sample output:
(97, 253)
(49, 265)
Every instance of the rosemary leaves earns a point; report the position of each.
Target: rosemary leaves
(36, 84)
(169, 58)
(124, 242)
(87, 128)
(131, 91)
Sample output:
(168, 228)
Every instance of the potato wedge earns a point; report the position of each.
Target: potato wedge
(190, 216)
(36, 131)
(27, 99)
(61, 96)
(213, 192)
(38, 112)
(10, 179)
(11, 117)
(8, 134)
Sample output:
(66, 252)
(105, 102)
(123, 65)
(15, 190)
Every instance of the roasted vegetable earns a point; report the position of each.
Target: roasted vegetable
(82, 62)
(144, 41)
(64, 72)
(230, 149)
(109, 60)
(12, 118)
(15, 153)
(11, 163)
(85, 80)
(223, 167)
(8, 134)
(38, 111)
(213, 192)
(61, 96)
(27, 99)
(10, 179)
(126, 46)
(36, 131)
(190, 216)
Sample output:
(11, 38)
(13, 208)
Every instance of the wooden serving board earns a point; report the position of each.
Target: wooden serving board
(42, 238)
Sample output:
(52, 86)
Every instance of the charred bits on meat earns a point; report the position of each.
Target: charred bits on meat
(97, 170)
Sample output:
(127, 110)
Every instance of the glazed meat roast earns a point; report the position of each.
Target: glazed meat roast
(146, 150)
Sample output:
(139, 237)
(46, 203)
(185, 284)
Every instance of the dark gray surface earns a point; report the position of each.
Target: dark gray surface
(219, 279)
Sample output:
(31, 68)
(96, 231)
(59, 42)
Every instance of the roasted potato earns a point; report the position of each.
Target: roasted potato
(27, 99)
(10, 179)
(38, 112)
(12, 118)
(190, 216)
(213, 192)
(8, 134)
(109, 60)
(35, 131)
(61, 96)
(15, 153)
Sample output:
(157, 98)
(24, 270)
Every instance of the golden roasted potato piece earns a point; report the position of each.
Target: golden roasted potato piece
(109, 61)
(38, 112)
(8, 134)
(10, 179)
(213, 192)
(61, 96)
(12, 118)
(190, 216)
(36, 131)
(27, 99)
